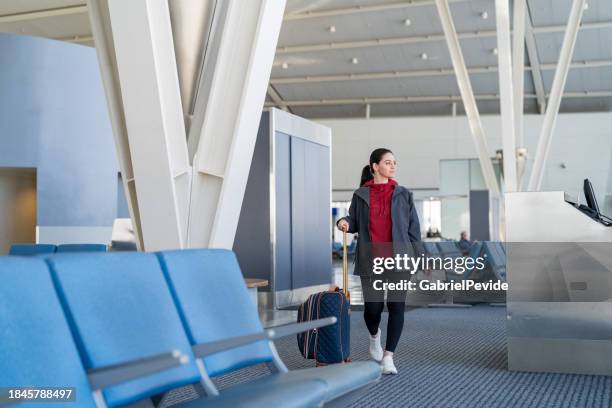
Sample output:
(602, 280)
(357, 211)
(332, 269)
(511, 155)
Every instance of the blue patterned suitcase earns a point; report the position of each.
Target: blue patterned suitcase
(330, 344)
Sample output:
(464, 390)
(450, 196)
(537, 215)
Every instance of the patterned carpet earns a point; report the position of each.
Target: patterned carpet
(451, 358)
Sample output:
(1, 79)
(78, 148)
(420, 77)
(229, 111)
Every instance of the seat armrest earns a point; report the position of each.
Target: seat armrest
(287, 330)
(206, 349)
(103, 377)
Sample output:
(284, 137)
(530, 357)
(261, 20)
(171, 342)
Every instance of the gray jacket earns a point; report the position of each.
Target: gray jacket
(404, 220)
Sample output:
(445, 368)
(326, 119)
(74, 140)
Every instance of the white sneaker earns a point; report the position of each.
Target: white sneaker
(387, 365)
(376, 351)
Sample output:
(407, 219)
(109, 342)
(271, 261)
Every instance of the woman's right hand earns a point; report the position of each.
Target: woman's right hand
(343, 225)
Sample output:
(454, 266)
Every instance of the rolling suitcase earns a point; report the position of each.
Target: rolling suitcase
(329, 344)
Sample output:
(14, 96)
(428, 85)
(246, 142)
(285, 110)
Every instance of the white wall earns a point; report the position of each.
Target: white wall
(582, 141)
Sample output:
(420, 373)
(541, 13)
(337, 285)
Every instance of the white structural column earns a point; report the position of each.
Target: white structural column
(246, 38)
(518, 70)
(467, 95)
(534, 62)
(552, 110)
(154, 118)
(100, 24)
(502, 16)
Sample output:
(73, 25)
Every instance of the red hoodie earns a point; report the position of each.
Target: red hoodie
(380, 210)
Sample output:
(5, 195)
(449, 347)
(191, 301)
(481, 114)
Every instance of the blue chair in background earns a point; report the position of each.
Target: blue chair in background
(496, 259)
(81, 248)
(475, 251)
(449, 249)
(209, 290)
(37, 346)
(32, 249)
(120, 309)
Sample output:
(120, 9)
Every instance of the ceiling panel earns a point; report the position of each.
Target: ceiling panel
(51, 27)
(477, 51)
(338, 111)
(386, 24)
(590, 45)
(556, 12)
(585, 79)
(24, 6)
(446, 85)
(586, 105)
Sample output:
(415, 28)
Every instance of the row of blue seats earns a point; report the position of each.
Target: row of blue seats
(127, 326)
(494, 251)
(45, 249)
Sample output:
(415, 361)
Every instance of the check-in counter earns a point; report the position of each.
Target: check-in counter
(559, 300)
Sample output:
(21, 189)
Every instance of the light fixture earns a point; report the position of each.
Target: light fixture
(355, 61)
(494, 51)
(484, 15)
(586, 6)
(407, 22)
(424, 56)
(332, 29)
(285, 65)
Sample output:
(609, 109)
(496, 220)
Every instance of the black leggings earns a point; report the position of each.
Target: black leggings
(373, 308)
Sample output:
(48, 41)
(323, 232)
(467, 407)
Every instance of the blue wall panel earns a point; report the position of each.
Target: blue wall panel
(53, 116)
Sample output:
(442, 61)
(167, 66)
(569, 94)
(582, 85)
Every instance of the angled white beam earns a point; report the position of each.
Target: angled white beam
(247, 38)
(377, 42)
(467, 95)
(502, 17)
(46, 13)
(100, 25)
(518, 73)
(148, 77)
(518, 82)
(534, 61)
(421, 73)
(361, 9)
(550, 118)
(277, 98)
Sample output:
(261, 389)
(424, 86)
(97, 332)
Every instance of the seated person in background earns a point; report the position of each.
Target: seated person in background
(464, 242)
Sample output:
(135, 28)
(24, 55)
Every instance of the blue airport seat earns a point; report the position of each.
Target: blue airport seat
(449, 249)
(431, 248)
(37, 347)
(475, 251)
(121, 309)
(81, 248)
(496, 258)
(32, 249)
(207, 280)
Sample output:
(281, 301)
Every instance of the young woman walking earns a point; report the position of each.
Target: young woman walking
(383, 215)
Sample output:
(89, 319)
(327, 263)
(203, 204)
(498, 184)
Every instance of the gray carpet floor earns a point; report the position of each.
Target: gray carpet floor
(450, 358)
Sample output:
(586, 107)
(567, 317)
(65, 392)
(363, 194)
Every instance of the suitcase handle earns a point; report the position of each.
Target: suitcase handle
(345, 278)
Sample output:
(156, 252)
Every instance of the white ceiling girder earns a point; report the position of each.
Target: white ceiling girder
(425, 99)
(502, 17)
(467, 95)
(423, 73)
(154, 119)
(228, 132)
(362, 9)
(100, 24)
(556, 93)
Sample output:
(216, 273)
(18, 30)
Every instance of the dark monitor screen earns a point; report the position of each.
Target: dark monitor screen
(589, 194)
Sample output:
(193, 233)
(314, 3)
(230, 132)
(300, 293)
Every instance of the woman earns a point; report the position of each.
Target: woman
(383, 214)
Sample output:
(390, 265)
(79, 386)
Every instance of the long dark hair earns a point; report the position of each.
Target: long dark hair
(376, 156)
